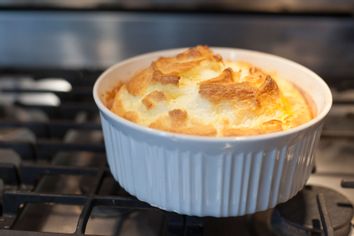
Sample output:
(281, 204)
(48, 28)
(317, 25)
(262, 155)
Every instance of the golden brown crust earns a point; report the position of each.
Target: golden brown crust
(139, 82)
(257, 72)
(118, 108)
(171, 66)
(165, 78)
(224, 87)
(194, 128)
(132, 116)
(214, 97)
(269, 87)
(267, 127)
(150, 100)
(272, 126)
(183, 61)
(225, 77)
(178, 117)
(108, 97)
(167, 70)
(216, 92)
(205, 130)
(200, 51)
(217, 57)
(227, 132)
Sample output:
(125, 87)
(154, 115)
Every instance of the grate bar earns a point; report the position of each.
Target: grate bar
(343, 101)
(6, 232)
(52, 146)
(51, 125)
(30, 173)
(13, 199)
(24, 149)
(85, 213)
(67, 109)
(325, 220)
(120, 202)
(347, 183)
(53, 128)
(29, 150)
(335, 134)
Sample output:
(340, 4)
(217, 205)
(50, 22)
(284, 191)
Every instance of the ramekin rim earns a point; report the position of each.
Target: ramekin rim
(213, 139)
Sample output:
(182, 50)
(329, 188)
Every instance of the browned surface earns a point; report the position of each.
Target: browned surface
(165, 78)
(267, 127)
(226, 87)
(139, 82)
(108, 97)
(132, 116)
(217, 92)
(269, 87)
(178, 117)
(150, 100)
(254, 95)
(194, 128)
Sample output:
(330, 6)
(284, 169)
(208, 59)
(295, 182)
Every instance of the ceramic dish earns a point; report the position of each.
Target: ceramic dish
(212, 176)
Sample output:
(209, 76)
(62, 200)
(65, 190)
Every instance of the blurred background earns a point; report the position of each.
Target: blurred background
(94, 34)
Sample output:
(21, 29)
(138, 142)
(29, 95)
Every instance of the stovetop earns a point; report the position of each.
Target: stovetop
(54, 177)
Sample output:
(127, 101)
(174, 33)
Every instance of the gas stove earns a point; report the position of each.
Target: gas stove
(54, 179)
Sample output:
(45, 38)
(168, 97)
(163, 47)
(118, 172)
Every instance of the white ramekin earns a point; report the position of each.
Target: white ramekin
(206, 176)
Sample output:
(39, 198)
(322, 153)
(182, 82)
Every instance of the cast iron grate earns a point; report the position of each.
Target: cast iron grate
(20, 180)
(38, 156)
(14, 202)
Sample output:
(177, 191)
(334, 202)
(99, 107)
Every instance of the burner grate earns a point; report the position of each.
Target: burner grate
(54, 128)
(324, 215)
(314, 211)
(60, 147)
(42, 149)
(14, 201)
(63, 145)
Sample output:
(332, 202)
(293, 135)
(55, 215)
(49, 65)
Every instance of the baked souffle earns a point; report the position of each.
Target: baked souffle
(197, 92)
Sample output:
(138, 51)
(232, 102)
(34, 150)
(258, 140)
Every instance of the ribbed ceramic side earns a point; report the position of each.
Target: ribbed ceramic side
(193, 182)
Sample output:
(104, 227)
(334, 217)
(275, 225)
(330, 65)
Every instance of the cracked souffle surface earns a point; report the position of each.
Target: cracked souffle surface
(197, 92)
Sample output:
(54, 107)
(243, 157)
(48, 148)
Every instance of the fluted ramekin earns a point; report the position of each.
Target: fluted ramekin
(212, 176)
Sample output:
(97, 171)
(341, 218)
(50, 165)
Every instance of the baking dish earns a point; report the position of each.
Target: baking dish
(212, 176)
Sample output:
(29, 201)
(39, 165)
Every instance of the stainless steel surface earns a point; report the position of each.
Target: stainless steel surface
(341, 6)
(91, 40)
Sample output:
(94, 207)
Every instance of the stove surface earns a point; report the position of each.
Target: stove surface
(54, 179)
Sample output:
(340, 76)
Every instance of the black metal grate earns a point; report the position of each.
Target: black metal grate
(14, 201)
(38, 157)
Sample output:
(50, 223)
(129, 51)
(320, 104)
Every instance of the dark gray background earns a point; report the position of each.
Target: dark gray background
(97, 39)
